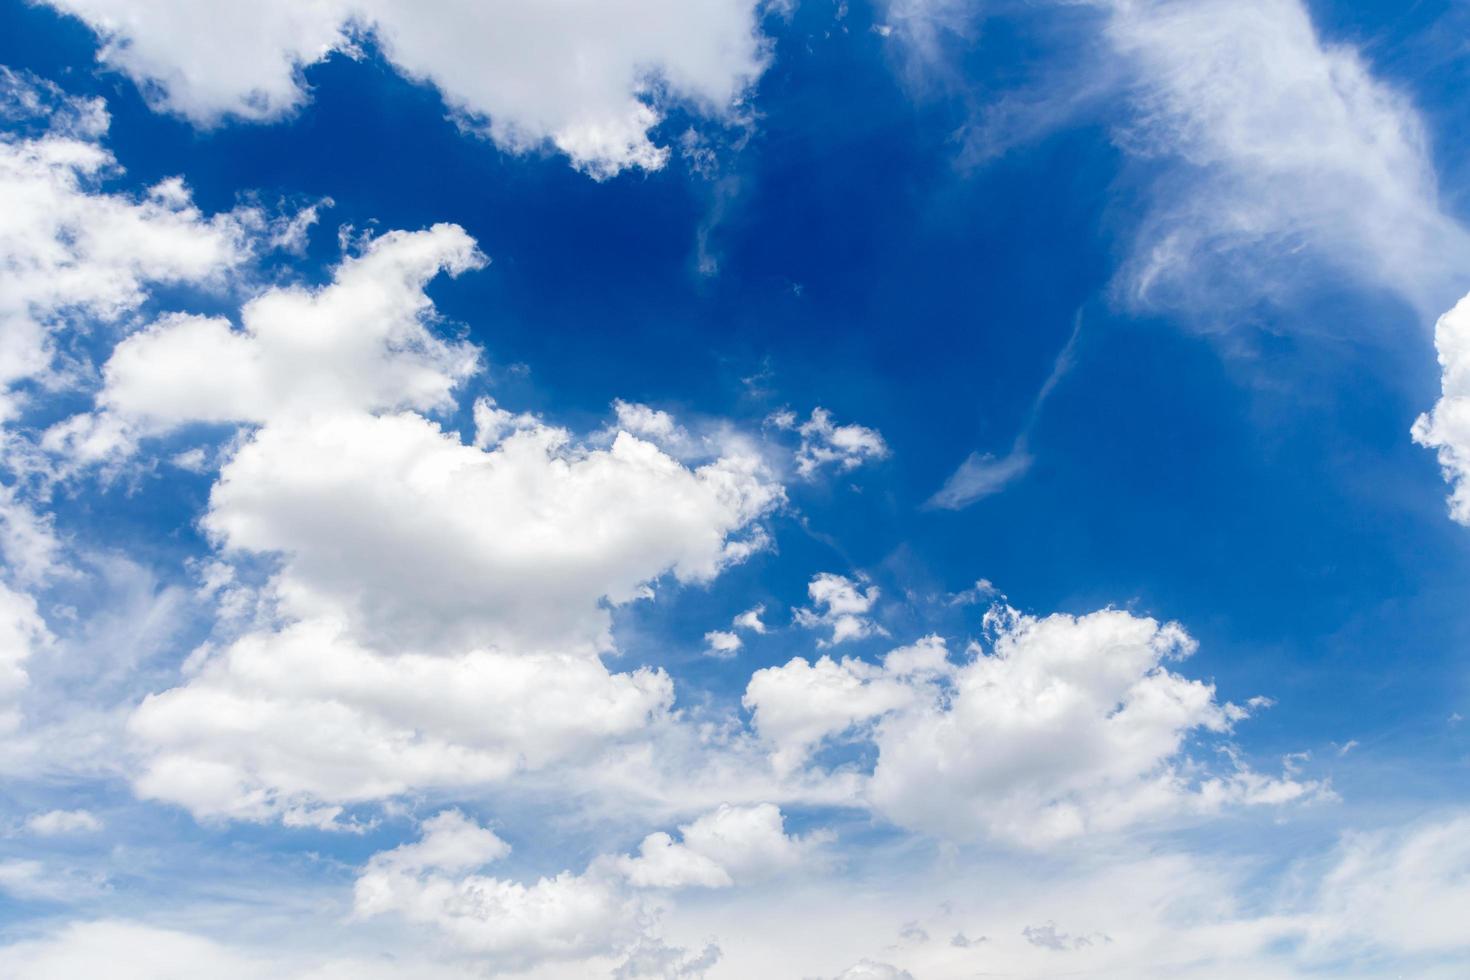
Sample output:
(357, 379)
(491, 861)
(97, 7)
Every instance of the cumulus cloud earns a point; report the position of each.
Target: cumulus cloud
(722, 644)
(439, 608)
(843, 605)
(591, 79)
(599, 912)
(751, 620)
(827, 444)
(1446, 429)
(1066, 726)
(727, 845)
(568, 916)
(71, 252)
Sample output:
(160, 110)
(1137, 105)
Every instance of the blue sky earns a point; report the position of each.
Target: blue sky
(318, 666)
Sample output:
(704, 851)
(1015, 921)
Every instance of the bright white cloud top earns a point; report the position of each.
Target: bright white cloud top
(337, 642)
(585, 77)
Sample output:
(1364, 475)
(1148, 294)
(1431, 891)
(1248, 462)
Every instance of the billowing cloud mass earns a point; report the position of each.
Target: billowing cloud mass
(439, 607)
(291, 553)
(1446, 429)
(72, 253)
(1067, 725)
(589, 78)
(601, 911)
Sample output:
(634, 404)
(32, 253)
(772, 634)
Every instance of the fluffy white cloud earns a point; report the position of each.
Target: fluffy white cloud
(842, 604)
(564, 917)
(72, 253)
(439, 607)
(299, 720)
(727, 845)
(797, 706)
(53, 823)
(751, 620)
(825, 443)
(570, 916)
(1447, 428)
(722, 643)
(589, 78)
(1067, 725)
(359, 344)
(663, 862)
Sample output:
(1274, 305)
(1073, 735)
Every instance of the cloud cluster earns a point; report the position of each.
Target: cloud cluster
(1446, 429)
(73, 255)
(1066, 726)
(589, 78)
(841, 604)
(825, 444)
(572, 916)
(439, 607)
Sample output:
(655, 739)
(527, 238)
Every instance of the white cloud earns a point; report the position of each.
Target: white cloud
(1400, 891)
(981, 475)
(1447, 428)
(361, 343)
(728, 845)
(439, 607)
(54, 823)
(662, 862)
(653, 960)
(749, 842)
(22, 632)
(842, 604)
(125, 950)
(564, 917)
(1275, 157)
(591, 79)
(29, 879)
(797, 706)
(722, 644)
(297, 721)
(1068, 725)
(824, 443)
(599, 912)
(751, 620)
(71, 252)
(1285, 145)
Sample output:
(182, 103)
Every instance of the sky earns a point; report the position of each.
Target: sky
(678, 489)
